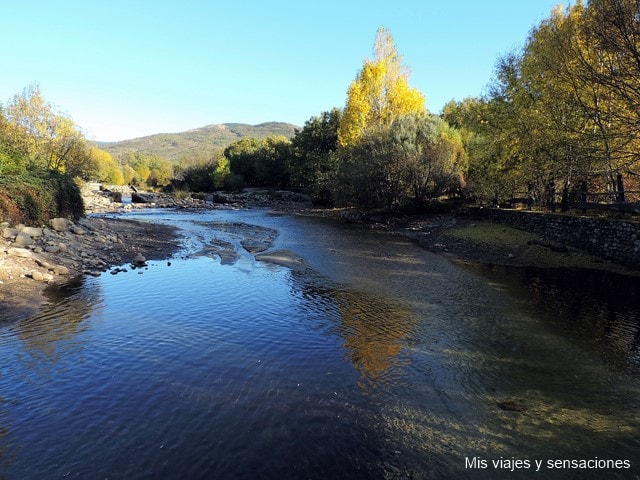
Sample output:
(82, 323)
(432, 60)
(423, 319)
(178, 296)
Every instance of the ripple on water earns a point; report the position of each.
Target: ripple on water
(390, 363)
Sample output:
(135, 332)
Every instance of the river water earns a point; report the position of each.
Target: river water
(372, 359)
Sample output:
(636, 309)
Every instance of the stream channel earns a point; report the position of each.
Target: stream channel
(348, 354)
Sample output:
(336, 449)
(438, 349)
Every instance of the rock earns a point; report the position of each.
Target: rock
(60, 224)
(60, 270)
(33, 232)
(23, 240)
(78, 230)
(9, 232)
(39, 277)
(42, 263)
(63, 247)
(138, 198)
(139, 260)
(52, 249)
(19, 252)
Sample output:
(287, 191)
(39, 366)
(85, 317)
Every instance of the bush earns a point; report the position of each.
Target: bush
(36, 196)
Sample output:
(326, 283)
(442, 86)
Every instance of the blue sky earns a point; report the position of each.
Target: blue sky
(124, 69)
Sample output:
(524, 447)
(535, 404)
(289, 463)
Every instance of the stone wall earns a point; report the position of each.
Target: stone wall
(615, 240)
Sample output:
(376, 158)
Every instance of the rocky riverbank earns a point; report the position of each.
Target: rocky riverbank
(32, 258)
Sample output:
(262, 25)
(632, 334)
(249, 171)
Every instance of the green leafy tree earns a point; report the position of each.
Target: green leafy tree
(403, 166)
(45, 138)
(314, 155)
(261, 163)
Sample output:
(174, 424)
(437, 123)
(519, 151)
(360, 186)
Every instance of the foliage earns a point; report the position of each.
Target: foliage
(380, 93)
(561, 111)
(261, 163)
(143, 169)
(36, 196)
(314, 155)
(44, 138)
(402, 166)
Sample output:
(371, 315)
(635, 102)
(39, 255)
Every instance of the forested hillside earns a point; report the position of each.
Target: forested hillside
(201, 142)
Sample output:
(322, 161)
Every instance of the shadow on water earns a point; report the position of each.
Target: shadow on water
(594, 309)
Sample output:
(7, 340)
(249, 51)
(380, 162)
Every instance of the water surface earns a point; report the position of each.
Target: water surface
(376, 360)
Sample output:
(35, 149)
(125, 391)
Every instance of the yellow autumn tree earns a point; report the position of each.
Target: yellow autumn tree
(380, 93)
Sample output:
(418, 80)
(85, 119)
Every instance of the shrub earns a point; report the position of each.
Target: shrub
(36, 196)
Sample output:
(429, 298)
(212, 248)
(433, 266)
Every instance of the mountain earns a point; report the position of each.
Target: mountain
(197, 142)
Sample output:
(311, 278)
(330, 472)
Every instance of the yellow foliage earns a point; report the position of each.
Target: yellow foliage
(380, 93)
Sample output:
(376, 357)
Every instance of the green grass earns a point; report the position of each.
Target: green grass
(493, 234)
(501, 242)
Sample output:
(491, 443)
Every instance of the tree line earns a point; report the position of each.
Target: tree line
(33, 137)
(561, 114)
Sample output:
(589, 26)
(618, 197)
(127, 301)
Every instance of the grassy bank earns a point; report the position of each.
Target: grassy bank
(495, 243)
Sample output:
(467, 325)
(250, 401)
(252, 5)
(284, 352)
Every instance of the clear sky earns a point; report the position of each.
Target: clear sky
(128, 68)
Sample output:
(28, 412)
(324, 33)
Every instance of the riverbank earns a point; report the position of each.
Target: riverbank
(31, 259)
(462, 238)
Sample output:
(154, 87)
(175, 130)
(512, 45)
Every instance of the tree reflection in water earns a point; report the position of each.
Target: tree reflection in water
(52, 332)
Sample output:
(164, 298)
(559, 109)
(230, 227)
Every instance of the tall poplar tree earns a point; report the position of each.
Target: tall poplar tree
(380, 92)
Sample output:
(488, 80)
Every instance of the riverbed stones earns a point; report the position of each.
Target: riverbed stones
(33, 232)
(60, 224)
(139, 260)
(37, 276)
(23, 240)
(77, 230)
(19, 252)
(8, 232)
(60, 270)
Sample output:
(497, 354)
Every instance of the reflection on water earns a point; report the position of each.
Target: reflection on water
(379, 360)
(598, 310)
(48, 335)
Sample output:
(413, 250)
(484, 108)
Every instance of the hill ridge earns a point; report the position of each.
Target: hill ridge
(197, 142)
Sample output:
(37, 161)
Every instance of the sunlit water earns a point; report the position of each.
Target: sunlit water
(378, 360)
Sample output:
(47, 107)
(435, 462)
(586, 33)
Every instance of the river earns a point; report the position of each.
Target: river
(370, 358)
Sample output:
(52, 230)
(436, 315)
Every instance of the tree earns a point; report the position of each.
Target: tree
(380, 93)
(242, 159)
(402, 166)
(261, 163)
(314, 155)
(45, 138)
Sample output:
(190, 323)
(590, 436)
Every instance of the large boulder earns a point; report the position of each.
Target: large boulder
(60, 224)
(8, 232)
